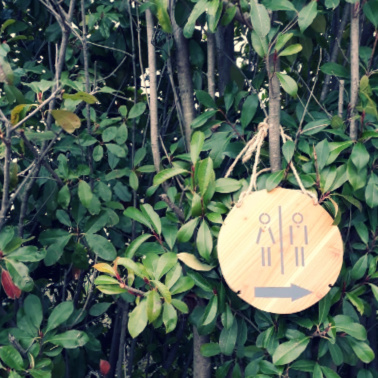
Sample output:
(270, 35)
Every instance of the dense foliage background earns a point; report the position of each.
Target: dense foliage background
(119, 121)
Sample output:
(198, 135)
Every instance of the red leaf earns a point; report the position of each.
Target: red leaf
(10, 288)
(104, 367)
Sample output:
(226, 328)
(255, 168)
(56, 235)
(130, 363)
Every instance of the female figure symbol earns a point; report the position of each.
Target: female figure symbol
(266, 259)
(296, 238)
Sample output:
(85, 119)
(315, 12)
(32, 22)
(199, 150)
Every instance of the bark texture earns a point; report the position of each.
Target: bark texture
(184, 77)
(154, 121)
(354, 68)
(211, 58)
(201, 365)
(273, 66)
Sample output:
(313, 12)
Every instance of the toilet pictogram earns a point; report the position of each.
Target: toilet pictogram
(279, 251)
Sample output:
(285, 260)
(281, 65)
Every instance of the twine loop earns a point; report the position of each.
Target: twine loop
(246, 153)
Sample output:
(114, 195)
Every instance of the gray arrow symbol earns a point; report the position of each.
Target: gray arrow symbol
(294, 292)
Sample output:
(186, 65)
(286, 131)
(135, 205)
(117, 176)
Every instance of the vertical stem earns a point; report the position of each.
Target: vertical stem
(154, 121)
(87, 85)
(335, 50)
(184, 77)
(201, 364)
(7, 159)
(125, 316)
(354, 68)
(273, 65)
(341, 98)
(211, 57)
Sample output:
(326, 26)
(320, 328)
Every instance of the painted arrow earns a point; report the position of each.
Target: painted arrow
(294, 292)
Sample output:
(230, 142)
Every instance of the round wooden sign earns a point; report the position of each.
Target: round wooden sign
(279, 252)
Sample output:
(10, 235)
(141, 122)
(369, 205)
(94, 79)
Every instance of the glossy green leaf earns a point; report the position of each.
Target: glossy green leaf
(259, 44)
(204, 241)
(359, 156)
(85, 194)
(260, 18)
(152, 217)
(169, 317)
(69, 340)
(137, 110)
(335, 69)
(154, 305)
(289, 351)
(138, 319)
(288, 84)
(192, 262)
(68, 121)
(291, 50)
(166, 174)
(196, 144)
(11, 357)
(210, 311)
(307, 15)
(138, 216)
(187, 230)
(162, 15)
(371, 191)
(59, 315)
(101, 246)
(273, 180)
(205, 174)
(249, 109)
(227, 339)
(371, 12)
(362, 350)
(198, 9)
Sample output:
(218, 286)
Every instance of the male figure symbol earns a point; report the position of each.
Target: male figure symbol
(297, 240)
(265, 254)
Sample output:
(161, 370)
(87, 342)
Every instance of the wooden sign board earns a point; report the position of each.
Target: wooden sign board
(279, 251)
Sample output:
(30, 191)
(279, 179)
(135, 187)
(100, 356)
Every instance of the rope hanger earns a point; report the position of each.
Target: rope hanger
(246, 153)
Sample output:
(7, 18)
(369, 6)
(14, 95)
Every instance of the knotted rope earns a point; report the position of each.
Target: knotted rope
(246, 153)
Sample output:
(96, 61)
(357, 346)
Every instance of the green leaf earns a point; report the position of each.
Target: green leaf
(82, 96)
(335, 69)
(204, 241)
(198, 9)
(153, 305)
(152, 217)
(162, 15)
(356, 178)
(249, 109)
(210, 349)
(131, 266)
(196, 144)
(227, 185)
(228, 15)
(85, 194)
(210, 311)
(371, 12)
(279, 5)
(274, 179)
(288, 84)
(99, 308)
(138, 319)
(317, 373)
(192, 262)
(259, 44)
(164, 291)
(314, 127)
(359, 156)
(332, 3)
(165, 263)
(33, 310)
(59, 315)
(205, 99)
(322, 153)
(288, 150)
(362, 350)
(101, 246)
(205, 174)
(182, 285)
(11, 357)
(346, 324)
(169, 317)
(137, 215)
(137, 110)
(227, 339)
(291, 50)
(329, 373)
(68, 121)
(307, 15)
(214, 11)
(324, 307)
(166, 174)
(289, 351)
(203, 118)
(336, 353)
(181, 306)
(282, 39)
(371, 191)
(70, 340)
(135, 244)
(359, 268)
(260, 18)
(187, 230)
(116, 150)
(28, 254)
(6, 73)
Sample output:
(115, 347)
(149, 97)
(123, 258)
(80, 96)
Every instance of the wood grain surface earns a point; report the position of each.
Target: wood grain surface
(279, 251)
